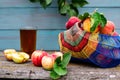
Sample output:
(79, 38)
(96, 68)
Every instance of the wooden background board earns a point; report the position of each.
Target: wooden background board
(16, 14)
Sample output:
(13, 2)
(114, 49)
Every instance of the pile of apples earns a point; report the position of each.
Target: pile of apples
(44, 59)
(17, 57)
(108, 29)
(39, 57)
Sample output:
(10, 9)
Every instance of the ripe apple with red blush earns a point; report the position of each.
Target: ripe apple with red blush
(48, 62)
(72, 20)
(108, 28)
(37, 56)
(57, 54)
(115, 33)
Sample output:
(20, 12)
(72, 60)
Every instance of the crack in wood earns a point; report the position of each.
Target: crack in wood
(30, 73)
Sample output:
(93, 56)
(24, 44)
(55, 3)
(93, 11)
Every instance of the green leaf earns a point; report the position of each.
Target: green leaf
(84, 16)
(58, 60)
(54, 75)
(45, 3)
(72, 11)
(64, 9)
(94, 26)
(33, 0)
(97, 19)
(61, 3)
(66, 59)
(103, 20)
(59, 70)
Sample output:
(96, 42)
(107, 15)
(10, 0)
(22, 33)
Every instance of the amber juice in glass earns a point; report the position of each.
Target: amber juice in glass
(28, 40)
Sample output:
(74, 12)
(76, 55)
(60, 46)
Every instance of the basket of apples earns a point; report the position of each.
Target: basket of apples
(91, 38)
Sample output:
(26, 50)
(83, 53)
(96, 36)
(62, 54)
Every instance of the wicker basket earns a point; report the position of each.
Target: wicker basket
(99, 49)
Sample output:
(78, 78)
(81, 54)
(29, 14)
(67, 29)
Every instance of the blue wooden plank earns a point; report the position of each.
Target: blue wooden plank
(16, 18)
(9, 39)
(46, 39)
(17, 3)
(103, 3)
(27, 3)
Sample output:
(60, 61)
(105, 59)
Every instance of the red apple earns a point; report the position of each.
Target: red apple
(48, 62)
(72, 21)
(115, 33)
(108, 28)
(57, 54)
(37, 56)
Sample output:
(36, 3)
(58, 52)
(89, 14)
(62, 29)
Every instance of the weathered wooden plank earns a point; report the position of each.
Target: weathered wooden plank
(27, 3)
(76, 71)
(16, 18)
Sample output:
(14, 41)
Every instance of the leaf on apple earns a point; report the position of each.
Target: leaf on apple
(60, 70)
(54, 75)
(66, 59)
(60, 66)
(97, 19)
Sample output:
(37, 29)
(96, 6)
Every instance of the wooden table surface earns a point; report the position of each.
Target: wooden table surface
(76, 71)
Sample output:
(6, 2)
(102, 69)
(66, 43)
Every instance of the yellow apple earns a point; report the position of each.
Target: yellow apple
(20, 57)
(8, 53)
(87, 25)
(48, 62)
(17, 58)
(24, 55)
(57, 54)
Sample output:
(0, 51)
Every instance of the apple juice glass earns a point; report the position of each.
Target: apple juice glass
(28, 40)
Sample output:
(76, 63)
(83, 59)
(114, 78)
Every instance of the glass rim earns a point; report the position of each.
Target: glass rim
(28, 28)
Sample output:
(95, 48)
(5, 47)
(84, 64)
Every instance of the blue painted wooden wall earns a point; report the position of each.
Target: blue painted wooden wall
(16, 14)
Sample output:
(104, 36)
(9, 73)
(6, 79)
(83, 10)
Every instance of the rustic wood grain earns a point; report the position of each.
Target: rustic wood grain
(76, 71)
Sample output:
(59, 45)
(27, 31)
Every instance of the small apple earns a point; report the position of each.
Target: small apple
(72, 21)
(25, 56)
(8, 53)
(57, 54)
(115, 33)
(87, 25)
(108, 28)
(48, 62)
(37, 56)
(17, 58)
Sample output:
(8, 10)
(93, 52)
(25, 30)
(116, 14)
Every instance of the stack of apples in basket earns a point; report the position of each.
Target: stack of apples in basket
(91, 37)
(108, 29)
